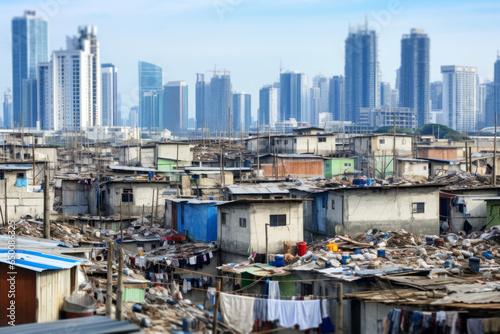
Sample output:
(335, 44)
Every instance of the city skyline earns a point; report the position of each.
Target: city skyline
(320, 37)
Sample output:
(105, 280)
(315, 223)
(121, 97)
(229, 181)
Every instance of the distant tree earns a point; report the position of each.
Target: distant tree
(442, 131)
(390, 129)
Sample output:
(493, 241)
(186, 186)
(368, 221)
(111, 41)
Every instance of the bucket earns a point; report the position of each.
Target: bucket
(429, 241)
(301, 248)
(345, 258)
(278, 261)
(474, 264)
(381, 253)
(79, 306)
(439, 242)
(332, 247)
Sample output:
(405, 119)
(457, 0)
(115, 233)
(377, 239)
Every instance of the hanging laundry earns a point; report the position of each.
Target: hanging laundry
(274, 290)
(210, 255)
(327, 324)
(238, 312)
(306, 314)
(260, 309)
(192, 260)
(475, 326)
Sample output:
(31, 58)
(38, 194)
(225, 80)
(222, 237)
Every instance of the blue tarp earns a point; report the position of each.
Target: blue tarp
(198, 219)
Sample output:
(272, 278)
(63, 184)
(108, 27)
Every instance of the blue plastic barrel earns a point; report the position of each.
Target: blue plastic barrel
(278, 260)
(474, 264)
(381, 253)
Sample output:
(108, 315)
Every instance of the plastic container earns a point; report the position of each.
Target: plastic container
(346, 258)
(357, 251)
(301, 248)
(332, 247)
(474, 264)
(278, 261)
(381, 253)
(79, 306)
(488, 255)
(429, 241)
(439, 242)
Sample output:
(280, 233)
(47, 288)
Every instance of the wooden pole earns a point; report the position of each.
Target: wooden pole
(5, 197)
(119, 291)
(467, 158)
(339, 326)
(109, 278)
(216, 309)
(152, 205)
(156, 207)
(394, 161)
(46, 208)
(33, 158)
(494, 175)
(258, 144)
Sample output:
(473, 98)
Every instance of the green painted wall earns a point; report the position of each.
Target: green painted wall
(338, 166)
(286, 288)
(492, 213)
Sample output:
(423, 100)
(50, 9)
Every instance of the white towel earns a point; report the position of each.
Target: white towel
(237, 312)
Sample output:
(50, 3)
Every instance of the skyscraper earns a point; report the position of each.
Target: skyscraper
(29, 48)
(220, 99)
(201, 105)
(337, 98)
(497, 85)
(150, 80)
(489, 103)
(87, 41)
(459, 97)
(437, 95)
(361, 72)
(109, 75)
(385, 95)
(67, 84)
(414, 91)
(268, 106)
(7, 110)
(293, 92)
(242, 112)
(175, 106)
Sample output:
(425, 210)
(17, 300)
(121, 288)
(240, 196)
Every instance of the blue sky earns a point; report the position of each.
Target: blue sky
(251, 37)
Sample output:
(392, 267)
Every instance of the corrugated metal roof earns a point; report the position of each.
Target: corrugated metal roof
(37, 261)
(133, 169)
(257, 190)
(97, 324)
(15, 167)
(294, 156)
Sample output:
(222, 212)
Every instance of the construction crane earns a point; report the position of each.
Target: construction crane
(214, 71)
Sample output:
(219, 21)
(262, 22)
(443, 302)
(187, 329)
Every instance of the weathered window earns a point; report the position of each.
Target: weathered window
(418, 207)
(277, 220)
(243, 222)
(127, 196)
(333, 204)
(381, 141)
(322, 139)
(223, 218)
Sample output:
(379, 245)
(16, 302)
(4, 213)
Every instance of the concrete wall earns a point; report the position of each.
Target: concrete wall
(382, 144)
(75, 198)
(244, 241)
(388, 209)
(413, 169)
(169, 151)
(22, 201)
(142, 196)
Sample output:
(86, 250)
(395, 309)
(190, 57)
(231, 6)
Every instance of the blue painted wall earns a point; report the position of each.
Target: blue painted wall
(200, 220)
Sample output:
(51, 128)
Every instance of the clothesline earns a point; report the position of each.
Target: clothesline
(236, 278)
(243, 294)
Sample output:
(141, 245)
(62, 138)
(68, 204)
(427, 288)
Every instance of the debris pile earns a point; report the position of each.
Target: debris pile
(399, 238)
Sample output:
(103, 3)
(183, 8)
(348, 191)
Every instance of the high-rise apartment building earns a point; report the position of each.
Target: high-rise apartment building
(7, 110)
(437, 95)
(242, 111)
(109, 96)
(414, 90)
(150, 83)
(175, 106)
(385, 95)
(268, 106)
(293, 94)
(29, 48)
(460, 86)
(361, 72)
(337, 98)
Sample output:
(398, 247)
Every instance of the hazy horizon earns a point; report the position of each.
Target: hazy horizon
(251, 38)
